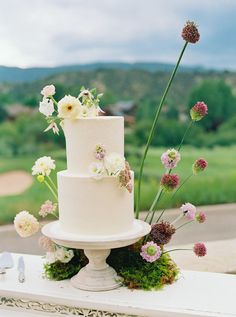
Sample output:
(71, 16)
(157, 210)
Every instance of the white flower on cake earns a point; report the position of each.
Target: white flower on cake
(46, 107)
(25, 224)
(114, 163)
(69, 107)
(54, 128)
(96, 170)
(43, 166)
(48, 91)
(61, 254)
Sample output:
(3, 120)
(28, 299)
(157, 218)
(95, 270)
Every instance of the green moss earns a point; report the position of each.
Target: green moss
(136, 273)
(140, 274)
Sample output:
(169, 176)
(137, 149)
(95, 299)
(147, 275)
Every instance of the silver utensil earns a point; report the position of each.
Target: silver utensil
(21, 269)
(6, 262)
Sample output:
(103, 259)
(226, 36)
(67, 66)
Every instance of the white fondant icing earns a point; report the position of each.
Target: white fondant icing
(82, 135)
(93, 207)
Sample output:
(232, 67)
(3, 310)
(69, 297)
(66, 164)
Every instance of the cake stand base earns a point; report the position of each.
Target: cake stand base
(97, 275)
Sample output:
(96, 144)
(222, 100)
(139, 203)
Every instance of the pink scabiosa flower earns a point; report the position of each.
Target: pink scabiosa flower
(189, 211)
(46, 244)
(199, 166)
(198, 111)
(161, 233)
(150, 252)
(170, 158)
(100, 152)
(200, 217)
(169, 182)
(47, 208)
(200, 249)
(190, 32)
(125, 178)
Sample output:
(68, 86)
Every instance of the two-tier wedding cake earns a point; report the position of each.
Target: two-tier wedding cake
(95, 193)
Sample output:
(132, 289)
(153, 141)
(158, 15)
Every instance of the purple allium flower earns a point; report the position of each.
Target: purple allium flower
(169, 181)
(199, 165)
(198, 111)
(170, 158)
(189, 210)
(100, 152)
(150, 251)
(200, 217)
(162, 232)
(200, 249)
(190, 32)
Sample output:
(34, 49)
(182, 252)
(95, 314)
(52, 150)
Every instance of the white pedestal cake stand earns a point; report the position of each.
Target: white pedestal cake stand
(97, 275)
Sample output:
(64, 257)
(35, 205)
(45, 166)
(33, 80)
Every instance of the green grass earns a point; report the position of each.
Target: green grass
(215, 185)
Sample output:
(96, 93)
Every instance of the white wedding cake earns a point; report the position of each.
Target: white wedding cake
(95, 193)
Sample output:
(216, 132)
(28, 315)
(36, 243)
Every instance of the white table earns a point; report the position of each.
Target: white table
(195, 294)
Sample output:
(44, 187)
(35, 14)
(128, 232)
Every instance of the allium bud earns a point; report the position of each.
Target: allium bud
(198, 111)
(200, 217)
(199, 165)
(169, 181)
(190, 32)
(200, 249)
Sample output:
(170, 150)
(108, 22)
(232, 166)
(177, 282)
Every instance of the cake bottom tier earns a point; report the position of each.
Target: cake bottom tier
(93, 207)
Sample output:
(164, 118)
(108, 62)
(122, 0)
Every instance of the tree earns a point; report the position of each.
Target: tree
(220, 100)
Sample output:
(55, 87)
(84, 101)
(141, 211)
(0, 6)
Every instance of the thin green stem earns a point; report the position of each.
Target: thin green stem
(185, 133)
(152, 209)
(55, 102)
(50, 188)
(150, 137)
(184, 224)
(176, 250)
(172, 197)
(52, 183)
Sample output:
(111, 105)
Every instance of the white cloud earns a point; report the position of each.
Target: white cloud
(52, 32)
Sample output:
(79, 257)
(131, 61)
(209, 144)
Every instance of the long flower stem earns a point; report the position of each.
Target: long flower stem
(185, 133)
(172, 197)
(184, 224)
(177, 219)
(152, 209)
(176, 250)
(52, 183)
(50, 188)
(150, 137)
(55, 102)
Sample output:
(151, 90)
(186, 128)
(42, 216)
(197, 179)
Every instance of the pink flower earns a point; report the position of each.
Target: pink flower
(170, 158)
(169, 181)
(198, 111)
(199, 165)
(125, 178)
(46, 244)
(47, 208)
(150, 251)
(48, 91)
(200, 217)
(100, 152)
(25, 224)
(200, 249)
(54, 128)
(189, 210)
(190, 32)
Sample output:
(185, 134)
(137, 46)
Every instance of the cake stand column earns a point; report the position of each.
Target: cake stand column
(97, 275)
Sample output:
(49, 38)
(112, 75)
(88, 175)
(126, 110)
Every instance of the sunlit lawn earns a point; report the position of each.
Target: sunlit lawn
(216, 185)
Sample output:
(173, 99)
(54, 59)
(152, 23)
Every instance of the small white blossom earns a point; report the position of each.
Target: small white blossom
(96, 170)
(43, 166)
(85, 93)
(69, 107)
(54, 128)
(46, 107)
(114, 163)
(25, 224)
(48, 91)
(61, 254)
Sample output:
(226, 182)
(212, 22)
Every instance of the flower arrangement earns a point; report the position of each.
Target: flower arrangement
(146, 264)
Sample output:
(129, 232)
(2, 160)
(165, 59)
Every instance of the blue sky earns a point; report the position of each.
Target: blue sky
(59, 32)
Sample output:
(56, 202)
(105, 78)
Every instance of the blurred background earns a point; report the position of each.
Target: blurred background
(127, 50)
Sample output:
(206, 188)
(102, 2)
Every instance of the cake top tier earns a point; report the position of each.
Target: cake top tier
(83, 135)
